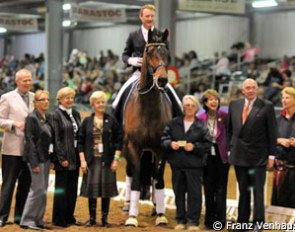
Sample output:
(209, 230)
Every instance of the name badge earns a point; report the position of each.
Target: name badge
(50, 149)
(213, 150)
(100, 148)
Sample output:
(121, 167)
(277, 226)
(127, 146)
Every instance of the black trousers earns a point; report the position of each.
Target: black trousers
(65, 196)
(188, 210)
(251, 179)
(215, 186)
(14, 169)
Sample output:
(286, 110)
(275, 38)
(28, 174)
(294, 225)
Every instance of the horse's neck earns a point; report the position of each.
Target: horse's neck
(143, 82)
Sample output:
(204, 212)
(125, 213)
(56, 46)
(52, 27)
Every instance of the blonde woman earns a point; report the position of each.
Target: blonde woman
(66, 126)
(38, 154)
(100, 143)
(284, 169)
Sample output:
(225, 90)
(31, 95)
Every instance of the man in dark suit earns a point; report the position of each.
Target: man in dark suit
(14, 108)
(132, 56)
(252, 138)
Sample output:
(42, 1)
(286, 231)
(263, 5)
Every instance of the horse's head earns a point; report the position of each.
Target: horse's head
(155, 59)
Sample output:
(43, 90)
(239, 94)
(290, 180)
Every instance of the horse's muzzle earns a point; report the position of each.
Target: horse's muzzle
(162, 81)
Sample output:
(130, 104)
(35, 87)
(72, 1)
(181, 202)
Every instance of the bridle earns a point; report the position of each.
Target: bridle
(152, 70)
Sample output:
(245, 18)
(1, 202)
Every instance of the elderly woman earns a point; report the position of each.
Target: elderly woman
(216, 170)
(100, 143)
(37, 153)
(187, 142)
(284, 172)
(66, 126)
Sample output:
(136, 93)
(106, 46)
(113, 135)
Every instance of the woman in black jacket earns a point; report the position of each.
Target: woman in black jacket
(66, 126)
(38, 154)
(100, 143)
(284, 169)
(187, 141)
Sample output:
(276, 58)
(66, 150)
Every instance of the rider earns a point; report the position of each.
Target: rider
(132, 56)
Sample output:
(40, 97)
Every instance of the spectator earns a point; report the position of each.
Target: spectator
(66, 127)
(252, 138)
(38, 147)
(216, 170)
(14, 108)
(100, 144)
(284, 172)
(187, 142)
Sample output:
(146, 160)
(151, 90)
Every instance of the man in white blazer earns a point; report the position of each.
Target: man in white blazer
(14, 108)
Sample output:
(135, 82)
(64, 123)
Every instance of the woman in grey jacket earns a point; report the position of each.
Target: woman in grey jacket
(38, 155)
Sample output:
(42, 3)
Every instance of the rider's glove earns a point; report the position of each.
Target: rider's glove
(135, 61)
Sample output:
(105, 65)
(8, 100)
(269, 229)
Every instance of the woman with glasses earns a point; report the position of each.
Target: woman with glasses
(38, 154)
(66, 127)
(187, 142)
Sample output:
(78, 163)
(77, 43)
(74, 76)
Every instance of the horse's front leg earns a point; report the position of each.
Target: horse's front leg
(135, 186)
(160, 194)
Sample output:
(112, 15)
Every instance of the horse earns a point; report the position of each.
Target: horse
(146, 114)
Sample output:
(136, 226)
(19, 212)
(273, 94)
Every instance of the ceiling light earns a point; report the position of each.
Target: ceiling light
(66, 6)
(264, 3)
(3, 30)
(66, 23)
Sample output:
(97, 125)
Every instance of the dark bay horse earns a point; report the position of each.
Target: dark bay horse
(147, 112)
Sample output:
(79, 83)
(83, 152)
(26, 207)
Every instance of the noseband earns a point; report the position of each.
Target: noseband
(152, 70)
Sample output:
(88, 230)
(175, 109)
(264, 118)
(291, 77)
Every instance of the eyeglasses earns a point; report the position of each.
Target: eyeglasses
(43, 99)
(189, 105)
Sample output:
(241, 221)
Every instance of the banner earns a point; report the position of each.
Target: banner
(215, 6)
(19, 24)
(98, 15)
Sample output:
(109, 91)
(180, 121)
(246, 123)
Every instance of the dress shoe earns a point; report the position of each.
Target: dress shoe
(91, 222)
(76, 223)
(2, 223)
(44, 227)
(31, 227)
(179, 227)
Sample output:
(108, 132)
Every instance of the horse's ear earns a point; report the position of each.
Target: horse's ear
(165, 35)
(150, 36)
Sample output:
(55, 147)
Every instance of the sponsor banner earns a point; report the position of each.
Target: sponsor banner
(98, 15)
(19, 24)
(215, 6)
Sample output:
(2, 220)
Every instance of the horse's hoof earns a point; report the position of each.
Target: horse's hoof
(131, 221)
(126, 206)
(161, 221)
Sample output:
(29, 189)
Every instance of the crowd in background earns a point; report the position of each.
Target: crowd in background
(108, 73)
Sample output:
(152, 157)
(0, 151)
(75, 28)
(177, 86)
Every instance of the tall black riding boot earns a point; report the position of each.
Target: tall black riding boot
(105, 206)
(176, 108)
(92, 203)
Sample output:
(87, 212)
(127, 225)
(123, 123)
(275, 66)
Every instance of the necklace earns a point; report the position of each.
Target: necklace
(211, 124)
(98, 122)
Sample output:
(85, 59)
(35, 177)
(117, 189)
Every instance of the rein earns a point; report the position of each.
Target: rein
(151, 70)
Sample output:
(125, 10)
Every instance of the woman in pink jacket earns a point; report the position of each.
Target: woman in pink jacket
(216, 170)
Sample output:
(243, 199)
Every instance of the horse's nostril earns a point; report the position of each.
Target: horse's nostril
(162, 81)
